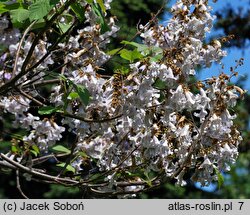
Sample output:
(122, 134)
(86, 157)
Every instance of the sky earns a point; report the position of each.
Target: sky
(233, 53)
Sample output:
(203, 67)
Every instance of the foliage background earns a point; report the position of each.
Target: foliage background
(236, 183)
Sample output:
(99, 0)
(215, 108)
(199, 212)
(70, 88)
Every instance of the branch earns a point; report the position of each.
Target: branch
(116, 193)
(40, 160)
(7, 165)
(30, 97)
(51, 48)
(18, 185)
(38, 174)
(19, 47)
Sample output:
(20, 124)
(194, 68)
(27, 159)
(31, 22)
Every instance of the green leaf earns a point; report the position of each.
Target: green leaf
(19, 15)
(53, 2)
(156, 58)
(39, 24)
(125, 42)
(144, 49)
(114, 51)
(14, 149)
(101, 19)
(102, 6)
(60, 148)
(83, 154)
(89, 1)
(40, 9)
(2, 8)
(124, 71)
(78, 10)
(62, 77)
(220, 177)
(69, 168)
(48, 110)
(130, 55)
(73, 95)
(159, 84)
(8, 7)
(64, 27)
(83, 93)
(35, 150)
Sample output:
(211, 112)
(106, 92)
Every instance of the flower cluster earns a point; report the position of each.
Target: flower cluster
(153, 119)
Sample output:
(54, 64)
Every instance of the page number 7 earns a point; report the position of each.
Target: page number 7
(241, 204)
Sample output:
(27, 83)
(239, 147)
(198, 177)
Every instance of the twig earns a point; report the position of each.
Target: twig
(19, 47)
(40, 34)
(47, 182)
(42, 159)
(51, 48)
(30, 97)
(38, 174)
(7, 165)
(136, 183)
(4, 164)
(18, 185)
(115, 193)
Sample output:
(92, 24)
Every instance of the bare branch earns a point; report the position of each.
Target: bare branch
(38, 174)
(19, 47)
(18, 185)
(7, 165)
(30, 97)
(42, 159)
